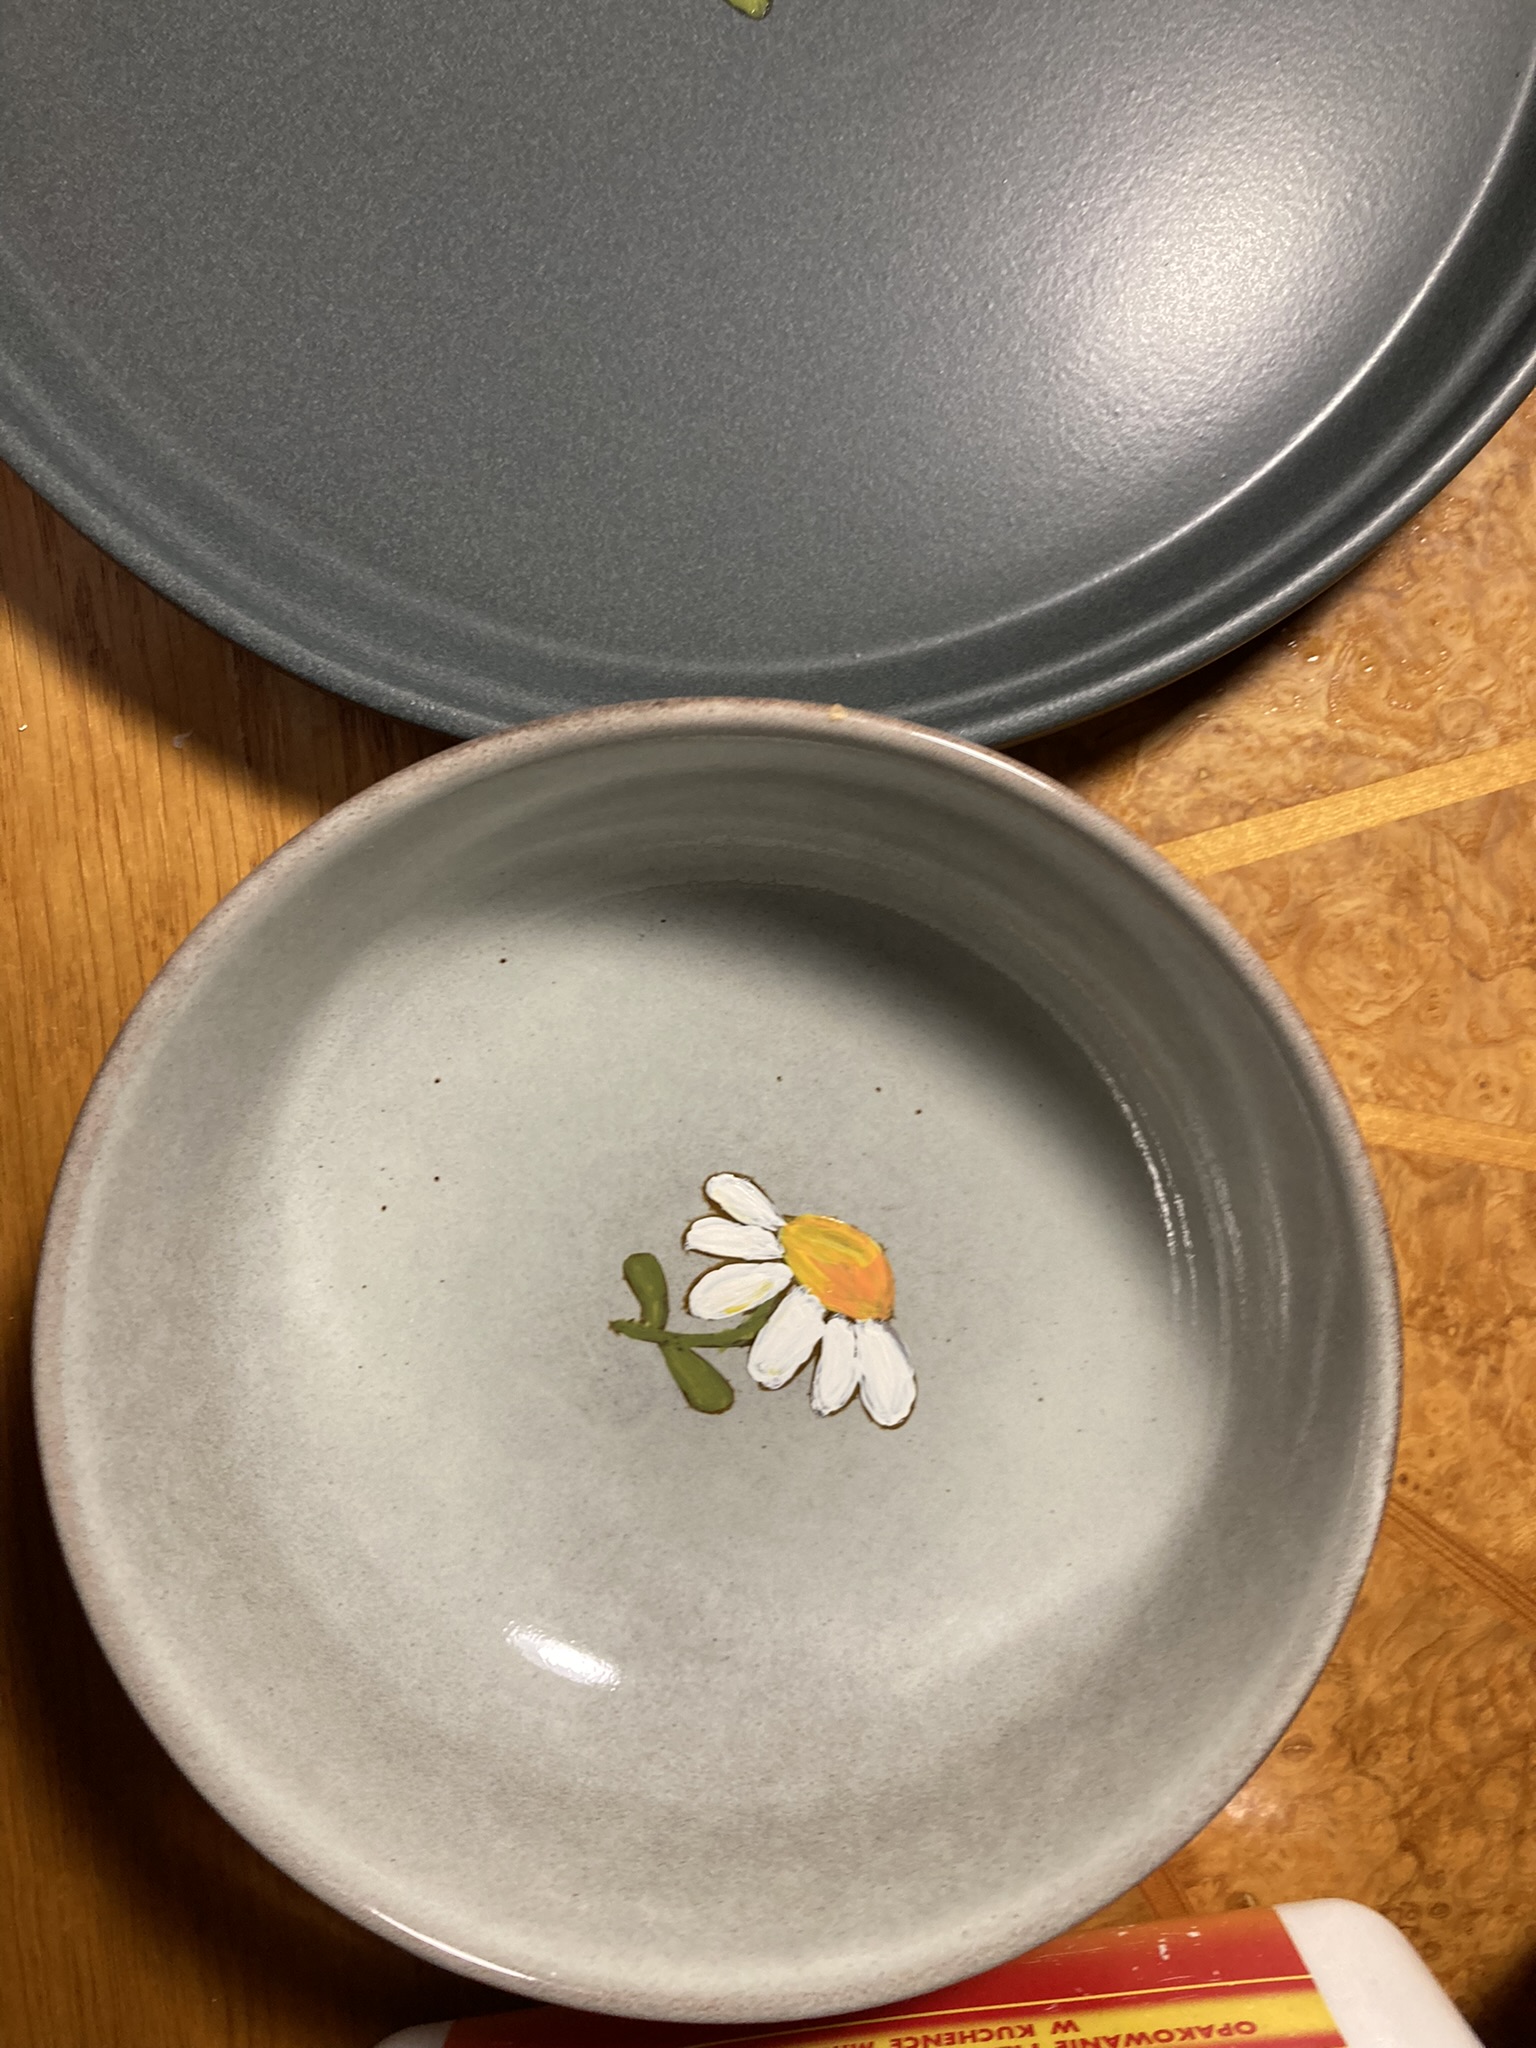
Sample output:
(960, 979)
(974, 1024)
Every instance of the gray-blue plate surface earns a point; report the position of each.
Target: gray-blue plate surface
(986, 363)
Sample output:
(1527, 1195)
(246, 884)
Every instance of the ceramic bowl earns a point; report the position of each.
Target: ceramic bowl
(716, 1360)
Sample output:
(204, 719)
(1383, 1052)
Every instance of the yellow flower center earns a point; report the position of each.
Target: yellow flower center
(844, 1268)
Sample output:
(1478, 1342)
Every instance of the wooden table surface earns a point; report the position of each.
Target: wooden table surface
(1357, 791)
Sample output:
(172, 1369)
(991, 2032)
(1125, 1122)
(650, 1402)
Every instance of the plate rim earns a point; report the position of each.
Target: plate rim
(1479, 377)
(167, 570)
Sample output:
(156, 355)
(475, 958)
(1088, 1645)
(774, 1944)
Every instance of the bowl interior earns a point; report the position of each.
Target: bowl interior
(439, 1588)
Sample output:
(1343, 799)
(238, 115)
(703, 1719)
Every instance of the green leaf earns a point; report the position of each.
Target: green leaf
(702, 1387)
(753, 9)
(648, 1284)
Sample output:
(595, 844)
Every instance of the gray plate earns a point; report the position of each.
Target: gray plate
(988, 363)
(433, 1581)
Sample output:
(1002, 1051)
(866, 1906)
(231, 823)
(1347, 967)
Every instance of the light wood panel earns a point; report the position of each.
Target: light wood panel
(1357, 790)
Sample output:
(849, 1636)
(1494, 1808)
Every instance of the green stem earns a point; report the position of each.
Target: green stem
(701, 1340)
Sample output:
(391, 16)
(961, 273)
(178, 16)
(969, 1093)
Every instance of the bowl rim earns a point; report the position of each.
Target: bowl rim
(481, 759)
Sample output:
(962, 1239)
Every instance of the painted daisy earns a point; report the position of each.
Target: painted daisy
(836, 1292)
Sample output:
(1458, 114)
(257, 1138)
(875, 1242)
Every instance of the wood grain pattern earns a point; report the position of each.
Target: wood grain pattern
(1407, 1781)
(1465, 1236)
(1446, 1137)
(1411, 951)
(1358, 792)
(1349, 811)
(1427, 653)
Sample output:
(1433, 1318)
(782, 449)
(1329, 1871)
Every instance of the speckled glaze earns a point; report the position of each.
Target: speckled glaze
(440, 1591)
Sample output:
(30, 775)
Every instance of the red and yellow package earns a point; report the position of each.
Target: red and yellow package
(1235, 1978)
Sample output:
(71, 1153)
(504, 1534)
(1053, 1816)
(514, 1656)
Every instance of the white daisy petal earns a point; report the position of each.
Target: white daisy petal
(719, 1239)
(886, 1379)
(787, 1339)
(732, 1290)
(742, 1200)
(837, 1369)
